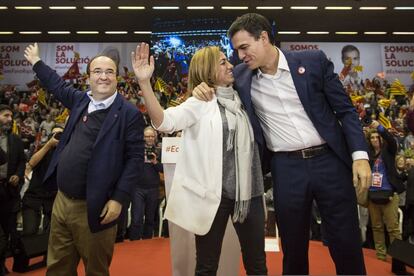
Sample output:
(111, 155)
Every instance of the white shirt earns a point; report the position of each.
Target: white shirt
(287, 127)
(98, 105)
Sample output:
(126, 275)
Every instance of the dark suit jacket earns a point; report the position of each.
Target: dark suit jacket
(3, 157)
(323, 98)
(118, 154)
(16, 166)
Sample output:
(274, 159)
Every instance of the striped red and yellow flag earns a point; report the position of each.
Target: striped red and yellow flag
(384, 121)
(160, 85)
(384, 103)
(397, 89)
(15, 129)
(358, 68)
(61, 118)
(41, 97)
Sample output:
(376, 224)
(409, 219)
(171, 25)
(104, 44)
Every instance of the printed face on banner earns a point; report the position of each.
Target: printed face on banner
(385, 60)
(352, 57)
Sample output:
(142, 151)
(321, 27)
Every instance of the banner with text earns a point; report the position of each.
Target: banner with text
(15, 70)
(396, 60)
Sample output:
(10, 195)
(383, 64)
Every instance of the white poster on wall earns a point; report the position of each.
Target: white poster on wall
(396, 60)
(15, 70)
(369, 54)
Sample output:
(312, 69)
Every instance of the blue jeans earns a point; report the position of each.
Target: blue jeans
(144, 207)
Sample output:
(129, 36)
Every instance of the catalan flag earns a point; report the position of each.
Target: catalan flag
(73, 72)
(160, 85)
(357, 98)
(15, 129)
(384, 121)
(61, 118)
(397, 89)
(358, 68)
(347, 68)
(385, 103)
(175, 102)
(41, 97)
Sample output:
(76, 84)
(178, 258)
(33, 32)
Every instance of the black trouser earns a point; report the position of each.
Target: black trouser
(3, 247)
(250, 234)
(8, 225)
(32, 214)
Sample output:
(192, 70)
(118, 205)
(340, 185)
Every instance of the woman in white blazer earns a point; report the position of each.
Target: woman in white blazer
(218, 171)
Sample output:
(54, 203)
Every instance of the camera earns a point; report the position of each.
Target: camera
(150, 154)
(367, 119)
(56, 135)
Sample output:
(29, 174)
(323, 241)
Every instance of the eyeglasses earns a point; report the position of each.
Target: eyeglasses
(98, 72)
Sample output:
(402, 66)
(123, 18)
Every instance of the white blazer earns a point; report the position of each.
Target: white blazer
(196, 188)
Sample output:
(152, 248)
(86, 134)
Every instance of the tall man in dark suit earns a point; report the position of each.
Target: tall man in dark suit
(300, 112)
(11, 179)
(99, 156)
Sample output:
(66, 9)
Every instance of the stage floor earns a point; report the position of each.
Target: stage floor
(152, 258)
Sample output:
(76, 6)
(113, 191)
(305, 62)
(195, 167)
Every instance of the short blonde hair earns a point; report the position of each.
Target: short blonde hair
(203, 67)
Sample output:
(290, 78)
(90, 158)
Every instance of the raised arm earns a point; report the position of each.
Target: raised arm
(143, 66)
(40, 154)
(54, 84)
(31, 53)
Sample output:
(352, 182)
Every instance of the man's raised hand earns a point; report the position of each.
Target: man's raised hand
(31, 53)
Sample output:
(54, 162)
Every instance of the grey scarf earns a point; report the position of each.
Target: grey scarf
(241, 135)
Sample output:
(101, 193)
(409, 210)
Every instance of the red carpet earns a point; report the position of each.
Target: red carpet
(152, 258)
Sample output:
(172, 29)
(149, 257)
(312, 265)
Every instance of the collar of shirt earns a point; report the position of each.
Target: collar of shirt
(283, 65)
(97, 105)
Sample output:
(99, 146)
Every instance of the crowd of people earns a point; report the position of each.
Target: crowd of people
(32, 123)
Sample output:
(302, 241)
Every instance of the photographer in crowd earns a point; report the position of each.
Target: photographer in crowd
(37, 199)
(145, 195)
